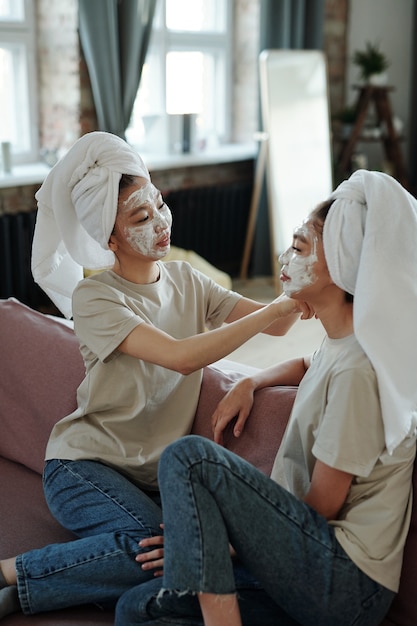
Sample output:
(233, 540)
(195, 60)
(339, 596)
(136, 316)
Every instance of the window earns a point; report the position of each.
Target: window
(18, 120)
(184, 96)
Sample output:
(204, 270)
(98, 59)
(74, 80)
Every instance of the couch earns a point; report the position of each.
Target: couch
(39, 373)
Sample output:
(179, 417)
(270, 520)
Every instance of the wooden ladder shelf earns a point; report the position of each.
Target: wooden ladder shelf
(391, 141)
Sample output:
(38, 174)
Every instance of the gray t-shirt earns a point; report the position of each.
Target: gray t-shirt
(129, 410)
(337, 419)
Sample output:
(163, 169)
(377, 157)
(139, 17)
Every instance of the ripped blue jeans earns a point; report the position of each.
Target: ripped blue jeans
(211, 497)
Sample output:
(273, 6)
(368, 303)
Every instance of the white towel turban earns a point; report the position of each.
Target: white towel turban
(77, 206)
(370, 244)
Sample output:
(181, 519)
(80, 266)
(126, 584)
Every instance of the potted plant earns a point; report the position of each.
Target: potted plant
(347, 118)
(372, 64)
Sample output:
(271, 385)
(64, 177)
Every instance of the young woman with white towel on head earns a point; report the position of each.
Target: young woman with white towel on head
(327, 548)
(141, 326)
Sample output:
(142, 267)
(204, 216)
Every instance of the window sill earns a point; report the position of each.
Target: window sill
(21, 175)
(35, 173)
(223, 154)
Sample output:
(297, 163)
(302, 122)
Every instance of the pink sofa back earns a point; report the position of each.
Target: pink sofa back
(41, 368)
(265, 426)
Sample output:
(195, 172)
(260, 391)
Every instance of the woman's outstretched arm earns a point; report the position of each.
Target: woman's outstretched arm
(187, 355)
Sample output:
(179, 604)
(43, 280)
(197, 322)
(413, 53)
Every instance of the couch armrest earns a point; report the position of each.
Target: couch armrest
(266, 423)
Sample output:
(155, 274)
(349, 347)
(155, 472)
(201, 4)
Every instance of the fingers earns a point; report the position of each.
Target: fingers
(240, 424)
(156, 560)
(152, 559)
(148, 542)
(221, 423)
(306, 311)
(218, 428)
(290, 305)
(149, 557)
(236, 403)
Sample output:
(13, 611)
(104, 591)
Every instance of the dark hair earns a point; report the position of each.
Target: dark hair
(318, 217)
(126, 180)
(319, 214)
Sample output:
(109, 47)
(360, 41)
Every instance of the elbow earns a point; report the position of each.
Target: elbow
(184, 360)
(186, 370)
(185, 366)
(274, 333)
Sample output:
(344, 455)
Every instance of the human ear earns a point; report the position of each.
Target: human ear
(113, 246)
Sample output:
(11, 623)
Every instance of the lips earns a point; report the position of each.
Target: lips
(165, 241)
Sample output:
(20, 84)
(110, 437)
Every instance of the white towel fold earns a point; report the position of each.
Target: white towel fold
(370, 244)
(77, 206)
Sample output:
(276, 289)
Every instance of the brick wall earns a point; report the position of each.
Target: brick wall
(66, 108)
(58, 74)
(335, 25)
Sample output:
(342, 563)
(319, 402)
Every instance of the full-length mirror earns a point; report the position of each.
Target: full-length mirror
(295, 113)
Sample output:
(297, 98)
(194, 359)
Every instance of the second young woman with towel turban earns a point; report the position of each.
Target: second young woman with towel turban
(327, 549)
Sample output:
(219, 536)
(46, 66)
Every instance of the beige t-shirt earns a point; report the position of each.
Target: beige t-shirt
(129, 410)
(337, 419)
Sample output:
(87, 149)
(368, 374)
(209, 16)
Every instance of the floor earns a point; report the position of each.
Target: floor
(263, 350)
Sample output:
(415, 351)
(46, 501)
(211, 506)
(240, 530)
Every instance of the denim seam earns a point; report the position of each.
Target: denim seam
(82, 478)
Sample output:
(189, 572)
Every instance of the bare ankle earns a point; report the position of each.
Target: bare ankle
(220, 610)
(8, 570)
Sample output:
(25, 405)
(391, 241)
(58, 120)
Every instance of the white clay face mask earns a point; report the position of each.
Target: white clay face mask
(154, 225)
(296, 266)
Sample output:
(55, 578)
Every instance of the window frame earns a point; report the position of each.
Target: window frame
(217, 44)
(24, 33)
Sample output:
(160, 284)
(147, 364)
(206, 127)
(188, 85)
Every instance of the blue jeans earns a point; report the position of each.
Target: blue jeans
(211, 497)
(109, 515)
(142, 606)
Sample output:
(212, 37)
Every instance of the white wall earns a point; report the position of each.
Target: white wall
(390, 23)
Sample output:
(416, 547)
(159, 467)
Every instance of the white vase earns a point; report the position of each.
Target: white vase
(378, 80)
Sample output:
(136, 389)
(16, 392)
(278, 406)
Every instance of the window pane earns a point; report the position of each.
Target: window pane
(185, 82)
(184, 72)
(14, 118)
(194, 85)
(12, 10)
(196, 15)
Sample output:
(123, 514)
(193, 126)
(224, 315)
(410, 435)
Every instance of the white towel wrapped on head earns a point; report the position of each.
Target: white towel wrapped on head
(77, 206)
(370, 244)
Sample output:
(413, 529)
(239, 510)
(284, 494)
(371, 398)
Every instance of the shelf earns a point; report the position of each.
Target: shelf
(378, 95)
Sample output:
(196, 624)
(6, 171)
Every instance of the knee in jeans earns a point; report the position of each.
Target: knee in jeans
(188, 448)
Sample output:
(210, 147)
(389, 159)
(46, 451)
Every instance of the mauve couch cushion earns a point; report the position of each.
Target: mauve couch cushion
(40, 372)
(264, 427)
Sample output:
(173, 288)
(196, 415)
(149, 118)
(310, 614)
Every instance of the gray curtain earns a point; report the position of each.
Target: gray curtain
(284, 24)
(114, 36)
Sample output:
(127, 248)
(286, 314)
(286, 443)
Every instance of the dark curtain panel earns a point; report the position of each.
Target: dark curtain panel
(412, 174)
(114, 35)
(284, 24)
